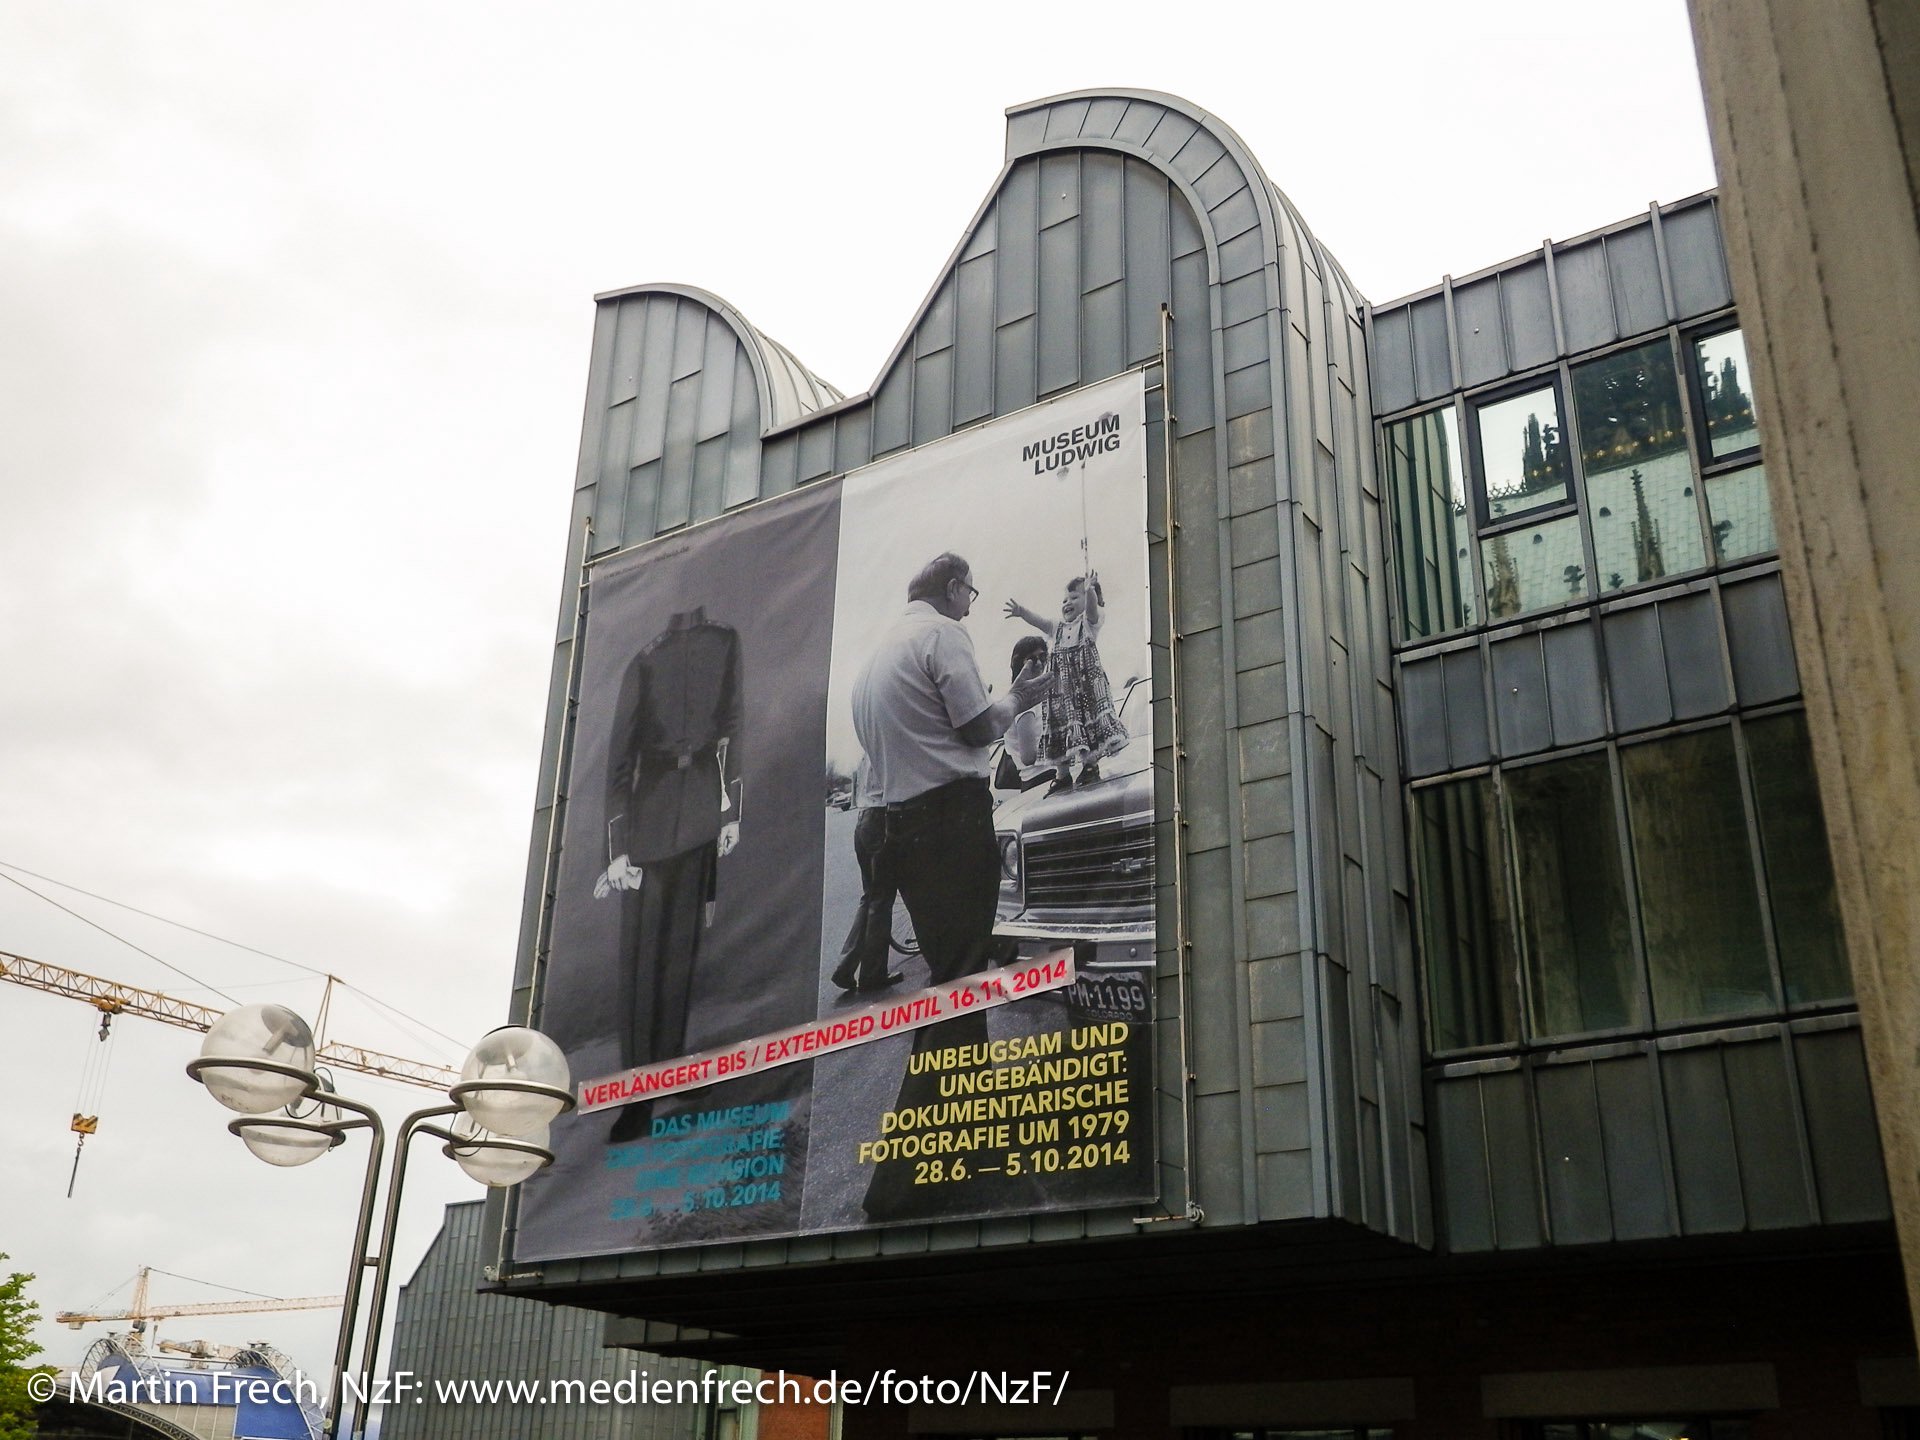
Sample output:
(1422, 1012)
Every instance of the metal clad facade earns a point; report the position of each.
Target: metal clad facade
(1307, 1100)
(1712, 1129)
(445, 1329)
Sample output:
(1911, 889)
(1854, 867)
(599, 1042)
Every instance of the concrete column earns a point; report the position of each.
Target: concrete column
(1814, 106)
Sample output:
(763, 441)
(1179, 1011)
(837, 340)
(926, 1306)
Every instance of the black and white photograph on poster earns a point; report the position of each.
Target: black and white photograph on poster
(687, 903)
(990, 809)
(854, 911)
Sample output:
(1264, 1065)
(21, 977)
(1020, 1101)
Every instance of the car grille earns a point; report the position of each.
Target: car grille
(1106, 867)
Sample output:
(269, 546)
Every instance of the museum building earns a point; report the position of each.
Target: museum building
(1508, 1076)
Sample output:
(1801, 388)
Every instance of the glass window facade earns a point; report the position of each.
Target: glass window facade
(1665, 883)
(1523, 454)
(1576, 943)
(1534, 567)
(1793, 842)
(1699, 897)
(1466, 917)
(1641, 483)
(1427, 480)
(1726, 394)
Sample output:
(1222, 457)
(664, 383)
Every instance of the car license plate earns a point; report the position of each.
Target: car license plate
(1110, 994)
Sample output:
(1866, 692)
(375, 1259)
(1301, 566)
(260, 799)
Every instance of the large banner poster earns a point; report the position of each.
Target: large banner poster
(854, 922)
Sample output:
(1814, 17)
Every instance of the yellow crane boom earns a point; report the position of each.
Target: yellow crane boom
(112, 998)
(140, 1311)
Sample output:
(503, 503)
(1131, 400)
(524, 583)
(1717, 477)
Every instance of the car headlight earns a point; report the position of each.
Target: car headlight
(1009, 857)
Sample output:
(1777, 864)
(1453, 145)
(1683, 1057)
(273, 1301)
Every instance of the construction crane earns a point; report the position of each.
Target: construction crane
(111, 998)
(146, 1316)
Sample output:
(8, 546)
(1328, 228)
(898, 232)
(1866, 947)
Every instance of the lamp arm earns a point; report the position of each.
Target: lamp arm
(382, 1260)
(350, 1301)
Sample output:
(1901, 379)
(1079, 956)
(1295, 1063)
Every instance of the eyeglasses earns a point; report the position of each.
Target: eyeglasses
(973, 591)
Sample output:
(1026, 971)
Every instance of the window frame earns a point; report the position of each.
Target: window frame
(1513, 970)
(1705, 462)
(1485, 523)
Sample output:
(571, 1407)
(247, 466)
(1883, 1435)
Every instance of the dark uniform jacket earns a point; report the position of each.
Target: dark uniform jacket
(680, 698)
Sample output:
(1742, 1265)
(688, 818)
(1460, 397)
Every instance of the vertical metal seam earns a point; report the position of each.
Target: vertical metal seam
(1182, 979)
(549, 869)
(1654, 221)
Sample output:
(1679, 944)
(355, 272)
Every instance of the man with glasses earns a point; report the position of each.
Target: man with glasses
(926, 722)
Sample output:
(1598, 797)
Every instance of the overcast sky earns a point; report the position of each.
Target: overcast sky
(294, 320)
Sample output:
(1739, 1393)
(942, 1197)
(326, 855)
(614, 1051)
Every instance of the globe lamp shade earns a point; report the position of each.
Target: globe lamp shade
(495, 1160)
(515, 1082)
(289, 1143)
(266, 1032)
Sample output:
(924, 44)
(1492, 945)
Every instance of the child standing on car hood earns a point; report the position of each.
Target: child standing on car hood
(1078, 726)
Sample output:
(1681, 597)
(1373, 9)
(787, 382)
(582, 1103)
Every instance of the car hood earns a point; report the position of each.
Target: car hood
(1125, 789)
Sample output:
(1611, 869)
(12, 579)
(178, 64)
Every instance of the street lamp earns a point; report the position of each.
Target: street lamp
(259, 1060)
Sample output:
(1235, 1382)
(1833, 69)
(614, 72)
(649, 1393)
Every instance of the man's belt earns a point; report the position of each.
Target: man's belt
(940, 794)
(681, 757)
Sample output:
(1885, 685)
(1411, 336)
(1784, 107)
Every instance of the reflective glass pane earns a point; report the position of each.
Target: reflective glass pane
(1793, 842)
(1633, 442)
(1535, 567)
(1576, 945)
(1699, 903)
(1523, 454)
(1464, 912)
(1726, 393)
(1432, 543)
(1741, 514)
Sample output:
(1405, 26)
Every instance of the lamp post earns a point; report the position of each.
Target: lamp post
(259, 1060)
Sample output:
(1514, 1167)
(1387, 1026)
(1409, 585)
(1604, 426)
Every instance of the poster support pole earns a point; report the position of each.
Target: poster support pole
(563, 754)
(1182, 942)
(550, 862)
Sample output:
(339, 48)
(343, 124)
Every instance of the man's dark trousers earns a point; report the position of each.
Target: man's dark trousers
(941, 853)
(864, 956)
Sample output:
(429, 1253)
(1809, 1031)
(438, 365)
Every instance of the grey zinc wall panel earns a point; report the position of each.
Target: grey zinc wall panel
(1707, 1166)
(1507, 1103)
(1392, 359)
(1639, 1187)
(1633, 265)
(446, 1329)
(1573, 683)
(1528, 299)
(1465, 680)
(1850, 1181)
(1520, 695)
(1423, 716)
(1586, 298)
(1696, 670)
(1575, 1157)
(1569, 296)
(1637, 669)
(1466, 1195)
(1432, 366)
(1760, 643)
(1696, 258)
(1766, 1128)
(1481, 331)
(1109, 207)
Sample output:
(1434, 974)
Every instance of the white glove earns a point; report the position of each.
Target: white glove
(619, 876)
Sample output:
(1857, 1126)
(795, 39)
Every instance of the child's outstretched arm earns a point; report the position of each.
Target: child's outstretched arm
(1017, 611)
(1096, 611)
